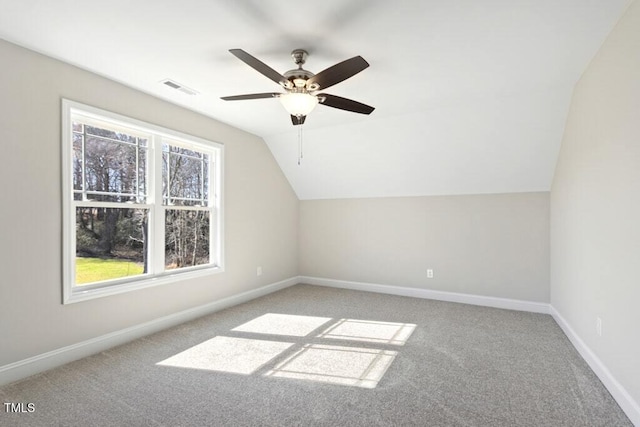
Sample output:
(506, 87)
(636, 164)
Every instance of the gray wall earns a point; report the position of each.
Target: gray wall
(490, 245)
(261, 210)
(595, 206)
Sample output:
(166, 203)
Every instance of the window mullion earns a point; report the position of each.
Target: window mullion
(157, 237)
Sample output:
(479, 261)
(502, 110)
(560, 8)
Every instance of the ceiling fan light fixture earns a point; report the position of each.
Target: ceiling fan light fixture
(298, 103)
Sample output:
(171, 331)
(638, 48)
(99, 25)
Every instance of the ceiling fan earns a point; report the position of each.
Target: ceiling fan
(301, 86)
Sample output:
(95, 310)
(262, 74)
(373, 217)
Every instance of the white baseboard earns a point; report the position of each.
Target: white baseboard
(510, 304)
(619, 393)
(51, 359)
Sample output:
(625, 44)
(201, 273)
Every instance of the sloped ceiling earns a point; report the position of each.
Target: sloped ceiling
(471, 96)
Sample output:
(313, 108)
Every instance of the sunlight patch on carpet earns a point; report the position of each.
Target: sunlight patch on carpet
(226, 354)
(283, 324)
(370, 331)
(351, 366)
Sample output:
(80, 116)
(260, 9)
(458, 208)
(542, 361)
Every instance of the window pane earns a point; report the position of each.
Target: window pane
(115, 164)
(109, 166)
(185, 178)
(186, 238)
(110, 243)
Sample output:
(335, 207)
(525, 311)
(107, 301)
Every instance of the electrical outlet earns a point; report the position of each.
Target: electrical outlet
(259, 271)
(599, 326)
(430, 273)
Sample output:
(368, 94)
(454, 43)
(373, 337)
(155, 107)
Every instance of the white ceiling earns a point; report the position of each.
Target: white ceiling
(471, 96)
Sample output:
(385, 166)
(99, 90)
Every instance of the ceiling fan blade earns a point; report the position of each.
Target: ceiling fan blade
(338, 73)
(298, 120)
(344, 103)
(260, 67)
(250, 96)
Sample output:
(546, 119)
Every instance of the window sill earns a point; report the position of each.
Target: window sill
(79, 293)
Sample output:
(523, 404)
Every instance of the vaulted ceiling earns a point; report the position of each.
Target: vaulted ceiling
(471, 96)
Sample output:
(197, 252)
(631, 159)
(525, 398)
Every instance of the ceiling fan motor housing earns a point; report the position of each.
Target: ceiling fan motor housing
(299, 77)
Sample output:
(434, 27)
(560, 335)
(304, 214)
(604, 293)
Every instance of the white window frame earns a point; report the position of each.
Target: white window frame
(157, 274)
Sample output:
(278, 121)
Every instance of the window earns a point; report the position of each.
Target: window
(142, 204)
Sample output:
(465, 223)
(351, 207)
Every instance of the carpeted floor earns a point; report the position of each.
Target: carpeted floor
(310, 355)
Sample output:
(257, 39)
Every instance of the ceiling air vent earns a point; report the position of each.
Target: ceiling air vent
(177, 86)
